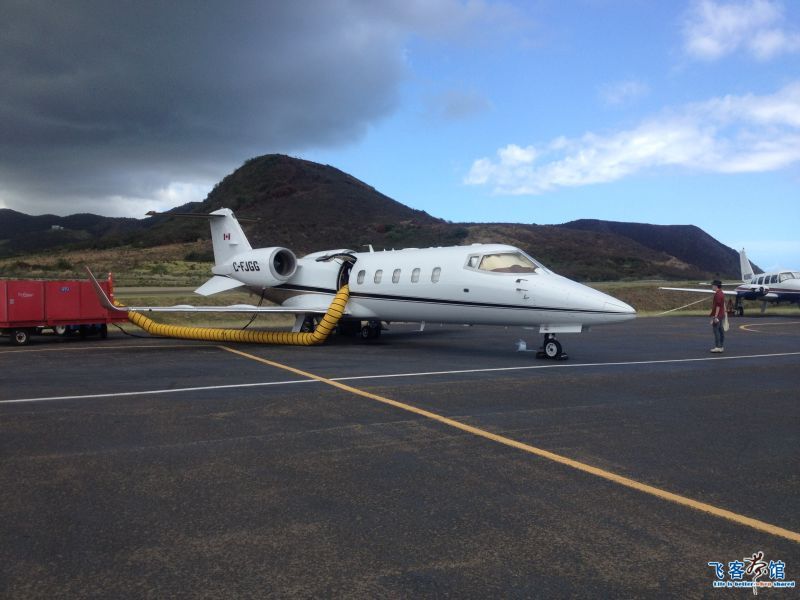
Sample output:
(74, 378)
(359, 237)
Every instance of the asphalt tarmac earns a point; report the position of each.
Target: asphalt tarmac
(443, 463)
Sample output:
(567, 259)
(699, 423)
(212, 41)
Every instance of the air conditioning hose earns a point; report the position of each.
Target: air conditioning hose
(287, 338)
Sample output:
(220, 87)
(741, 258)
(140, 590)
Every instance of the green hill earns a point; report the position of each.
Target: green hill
(306, 206)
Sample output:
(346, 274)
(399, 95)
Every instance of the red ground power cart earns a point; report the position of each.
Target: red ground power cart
(31, 306)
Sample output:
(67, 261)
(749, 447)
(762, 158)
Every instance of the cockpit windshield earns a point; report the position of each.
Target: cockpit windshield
(508, 262)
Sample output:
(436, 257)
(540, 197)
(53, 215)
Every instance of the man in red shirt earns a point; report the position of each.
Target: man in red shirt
(718, 316)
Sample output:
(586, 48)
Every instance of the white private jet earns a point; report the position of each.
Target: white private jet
(481, 284)
(776, 287)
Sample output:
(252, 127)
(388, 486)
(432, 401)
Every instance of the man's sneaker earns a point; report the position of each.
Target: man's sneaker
(716, 350)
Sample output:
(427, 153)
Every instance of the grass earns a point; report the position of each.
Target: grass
(161, 266)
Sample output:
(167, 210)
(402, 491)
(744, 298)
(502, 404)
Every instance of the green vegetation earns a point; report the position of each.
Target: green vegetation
(161, 266)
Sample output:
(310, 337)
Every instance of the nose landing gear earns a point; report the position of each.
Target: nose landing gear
(551, 348)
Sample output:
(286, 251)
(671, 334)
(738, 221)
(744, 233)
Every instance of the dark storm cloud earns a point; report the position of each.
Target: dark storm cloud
(118, 98)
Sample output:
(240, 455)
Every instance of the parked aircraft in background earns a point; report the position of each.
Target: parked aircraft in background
(487, 284)
(775, 287)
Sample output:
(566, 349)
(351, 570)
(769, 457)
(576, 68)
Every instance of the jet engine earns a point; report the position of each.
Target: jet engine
(282, 263)
(265, 267)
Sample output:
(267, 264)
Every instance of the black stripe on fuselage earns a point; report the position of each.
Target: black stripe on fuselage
(441, 302)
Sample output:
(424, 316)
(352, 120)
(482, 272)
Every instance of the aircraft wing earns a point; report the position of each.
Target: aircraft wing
(233, 308)
(307, 303)
(700, 290)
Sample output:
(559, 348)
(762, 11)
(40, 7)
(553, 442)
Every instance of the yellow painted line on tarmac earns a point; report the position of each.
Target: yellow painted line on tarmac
(609, 476)
(749, 325)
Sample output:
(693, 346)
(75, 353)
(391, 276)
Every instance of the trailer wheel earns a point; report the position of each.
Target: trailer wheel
(20, 337)
(60, 330)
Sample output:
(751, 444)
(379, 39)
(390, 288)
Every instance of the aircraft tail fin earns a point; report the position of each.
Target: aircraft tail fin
(227, 236)
(745, 266)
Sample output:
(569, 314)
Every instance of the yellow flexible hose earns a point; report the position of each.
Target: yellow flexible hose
(288, 338)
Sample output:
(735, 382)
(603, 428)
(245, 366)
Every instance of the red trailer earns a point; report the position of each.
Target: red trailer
(29, 306)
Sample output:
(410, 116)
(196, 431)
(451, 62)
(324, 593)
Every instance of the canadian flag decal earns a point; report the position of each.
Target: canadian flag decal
(226, 236)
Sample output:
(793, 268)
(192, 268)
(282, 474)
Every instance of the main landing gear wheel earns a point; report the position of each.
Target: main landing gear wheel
(308, 325)
(371, 330)
(551, 348)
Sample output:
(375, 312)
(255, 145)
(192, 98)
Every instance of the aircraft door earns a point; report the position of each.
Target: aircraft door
(522, 289)
(344, 273)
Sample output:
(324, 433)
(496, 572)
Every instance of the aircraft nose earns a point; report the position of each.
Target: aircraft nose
(610, 309)
(618, 306)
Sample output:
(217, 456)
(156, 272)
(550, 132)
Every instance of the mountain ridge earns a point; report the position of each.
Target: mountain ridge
(307, 206)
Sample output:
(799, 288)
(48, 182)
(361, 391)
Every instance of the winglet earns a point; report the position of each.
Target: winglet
(105, 301)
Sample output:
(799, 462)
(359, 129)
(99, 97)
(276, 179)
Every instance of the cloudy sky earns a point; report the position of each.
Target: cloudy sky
(684, 112)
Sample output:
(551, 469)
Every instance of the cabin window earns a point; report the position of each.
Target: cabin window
(396, 276)
(378, 276)
(361, 275)
(507, 262)
(415, 276)
(760, 280)
(785, 276)
(472, 262)
(773, 279)
(436, 274)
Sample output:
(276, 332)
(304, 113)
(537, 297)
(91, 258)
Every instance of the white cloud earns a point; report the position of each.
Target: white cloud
(172, 194)
(714, 29)
(514, 155)
(732, 134)
(623, 92)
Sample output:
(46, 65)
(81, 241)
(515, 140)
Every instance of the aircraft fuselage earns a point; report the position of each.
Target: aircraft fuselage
(491, 284)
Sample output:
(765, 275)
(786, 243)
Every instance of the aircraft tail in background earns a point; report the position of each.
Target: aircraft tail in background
(745, 267)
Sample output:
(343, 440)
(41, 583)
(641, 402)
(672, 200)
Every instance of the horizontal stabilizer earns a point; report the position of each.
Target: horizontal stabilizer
(217, 284)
